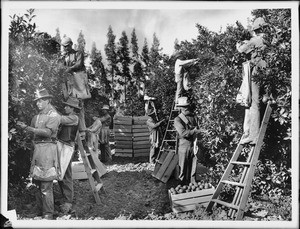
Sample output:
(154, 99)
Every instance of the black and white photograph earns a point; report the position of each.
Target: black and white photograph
(149, 114)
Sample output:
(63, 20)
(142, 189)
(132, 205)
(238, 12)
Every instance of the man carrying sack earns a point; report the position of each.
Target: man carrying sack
(248, 95)
(66, 144)
(76, 84)
(44, 127)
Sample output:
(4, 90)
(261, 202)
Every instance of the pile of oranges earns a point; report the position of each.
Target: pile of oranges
(192, 187)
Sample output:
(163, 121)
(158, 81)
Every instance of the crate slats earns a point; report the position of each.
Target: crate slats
(188, 201)
(164, 166)
(142, 134)
(170, 169)
(78, 171)
(131, 135)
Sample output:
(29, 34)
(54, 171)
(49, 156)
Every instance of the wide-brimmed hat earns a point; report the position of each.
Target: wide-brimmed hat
(183, 102)
(41, 94)
(105, 107)
(66, 41)
(73, 102)
(258, 23)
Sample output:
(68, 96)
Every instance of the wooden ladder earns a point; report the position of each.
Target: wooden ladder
(93, 167)
(247, 169)
(167, 157)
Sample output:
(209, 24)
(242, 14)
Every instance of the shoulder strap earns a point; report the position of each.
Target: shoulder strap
(183, 118)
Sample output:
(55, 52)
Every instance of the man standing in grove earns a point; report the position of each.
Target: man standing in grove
(104, 134)
(44, 127)
(186, 126)
(66, 144)
(153, 127)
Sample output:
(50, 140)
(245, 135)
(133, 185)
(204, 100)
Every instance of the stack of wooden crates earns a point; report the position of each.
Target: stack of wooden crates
(131, 136)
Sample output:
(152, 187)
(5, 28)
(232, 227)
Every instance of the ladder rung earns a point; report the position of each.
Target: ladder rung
(225, 204)
(233, 183)
(171, 130)
(98, 187)
(170, 140)
(240, 163)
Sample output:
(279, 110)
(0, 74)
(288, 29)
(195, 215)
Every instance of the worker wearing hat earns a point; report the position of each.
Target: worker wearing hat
(248, 94)
(44, 127)
(154, 137)
(105, 119)
(186, 125)
(66, 144)
(76, 84)
(181, 73)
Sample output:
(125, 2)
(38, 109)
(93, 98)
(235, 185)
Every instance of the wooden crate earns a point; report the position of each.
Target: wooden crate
(140, 132)
(78, 170)
(123, 136)
(165, 165)
(189, 201)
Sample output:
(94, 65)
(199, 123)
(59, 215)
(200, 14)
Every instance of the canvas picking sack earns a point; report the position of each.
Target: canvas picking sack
(42, 170)
(79, 85)
(244, 94)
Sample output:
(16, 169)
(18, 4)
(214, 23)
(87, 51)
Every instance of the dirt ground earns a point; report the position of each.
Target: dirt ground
(132, 193)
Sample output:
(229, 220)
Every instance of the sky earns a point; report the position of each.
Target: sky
(169, 22)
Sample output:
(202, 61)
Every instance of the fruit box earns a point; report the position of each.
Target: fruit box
(188, 201)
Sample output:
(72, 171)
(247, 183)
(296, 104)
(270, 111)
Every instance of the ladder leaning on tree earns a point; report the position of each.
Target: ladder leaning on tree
(242, 184)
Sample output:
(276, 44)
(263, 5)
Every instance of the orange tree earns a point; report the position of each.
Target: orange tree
(33, 63)
(216, 80)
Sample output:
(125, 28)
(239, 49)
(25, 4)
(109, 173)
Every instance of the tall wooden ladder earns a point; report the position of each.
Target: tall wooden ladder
(167, 157)
(244, 161)
(93, 167)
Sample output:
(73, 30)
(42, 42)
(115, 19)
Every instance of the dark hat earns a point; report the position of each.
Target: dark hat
(41, 94)
(105, 107)
(183, 102)
(66, 41)
(73, 102)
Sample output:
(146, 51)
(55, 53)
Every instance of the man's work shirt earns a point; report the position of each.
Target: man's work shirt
(75, 61)
(153, 129)
(253, 48)
(179, 64)
(69, 127)
(48, 118)
(104, 131)
(185, 131)
(45, 148)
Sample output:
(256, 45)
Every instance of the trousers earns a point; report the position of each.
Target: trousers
(187, 163)
(252, 114)
(44, 197)
(153, 153)
(66, 184)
